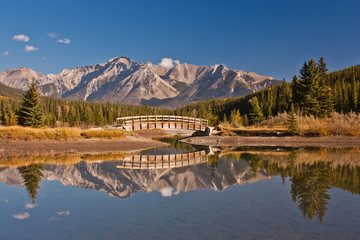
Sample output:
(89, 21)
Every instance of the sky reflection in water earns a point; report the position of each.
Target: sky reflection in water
(239, 193)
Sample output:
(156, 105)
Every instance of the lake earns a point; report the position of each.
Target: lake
(186, 192)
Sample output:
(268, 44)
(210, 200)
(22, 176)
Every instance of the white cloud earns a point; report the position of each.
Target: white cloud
(21, 38)
(21, 216)
(63, 213)
(5, 53)
(65, 40)
(5, 200)
(168, 192)
(53, 35)
(29, 48)
(30, 205)
(168, 62)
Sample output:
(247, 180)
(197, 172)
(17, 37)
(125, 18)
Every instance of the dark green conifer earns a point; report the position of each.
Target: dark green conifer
(326, 104)
(99, 118)
(31, 113)
(292, 122)
(311, 92)
(255, 114)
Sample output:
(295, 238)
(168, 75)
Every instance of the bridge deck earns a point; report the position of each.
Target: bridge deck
(162, 121)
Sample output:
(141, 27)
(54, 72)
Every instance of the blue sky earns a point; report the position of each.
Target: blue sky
(267, 37)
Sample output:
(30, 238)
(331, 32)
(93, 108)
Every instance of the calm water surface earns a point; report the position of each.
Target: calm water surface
(235, 193)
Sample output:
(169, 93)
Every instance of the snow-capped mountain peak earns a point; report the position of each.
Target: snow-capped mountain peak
(120, 79)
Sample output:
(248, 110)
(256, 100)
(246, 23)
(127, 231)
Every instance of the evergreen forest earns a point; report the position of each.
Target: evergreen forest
(313, 92)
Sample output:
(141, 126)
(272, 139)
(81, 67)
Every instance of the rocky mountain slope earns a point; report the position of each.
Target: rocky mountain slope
(122, 183)
(122, 80)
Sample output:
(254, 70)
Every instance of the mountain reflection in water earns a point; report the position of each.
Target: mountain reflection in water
(312, 173)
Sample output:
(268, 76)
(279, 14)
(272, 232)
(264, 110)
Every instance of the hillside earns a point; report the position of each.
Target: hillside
(9, 92)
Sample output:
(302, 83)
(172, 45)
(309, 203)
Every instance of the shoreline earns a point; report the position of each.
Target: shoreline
(16, 148)
(289, 141)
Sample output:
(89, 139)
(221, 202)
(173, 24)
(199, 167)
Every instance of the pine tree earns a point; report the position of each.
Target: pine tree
(99, 118)
(326, 105)
(292, 122)
(338, 96)
(31, 112)
(354, 94)
(255, 114)
(311, 92)
(213, 118)
(72, 116)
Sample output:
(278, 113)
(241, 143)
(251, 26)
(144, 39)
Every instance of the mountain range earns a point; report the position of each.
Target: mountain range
(122, 80)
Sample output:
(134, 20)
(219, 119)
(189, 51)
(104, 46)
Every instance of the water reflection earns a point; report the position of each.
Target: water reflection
(312, 173)
(32, 177)
(163, 161)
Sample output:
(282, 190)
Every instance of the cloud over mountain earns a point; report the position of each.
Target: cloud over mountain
(168, 62)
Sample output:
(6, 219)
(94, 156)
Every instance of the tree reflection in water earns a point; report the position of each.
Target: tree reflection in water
(32, 177)
(310, 189)
(310, 180)
(213, 162)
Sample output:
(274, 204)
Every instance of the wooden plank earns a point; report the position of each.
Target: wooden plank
(133, 127)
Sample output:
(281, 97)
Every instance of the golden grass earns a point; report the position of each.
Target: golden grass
(106, 133)
(336, 125)
(255, 128)
(63, 133)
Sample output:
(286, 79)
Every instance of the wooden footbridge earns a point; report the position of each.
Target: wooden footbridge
(161, 122)
(163, 161)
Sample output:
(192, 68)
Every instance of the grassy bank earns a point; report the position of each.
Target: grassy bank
(65, 133)
(336, 125)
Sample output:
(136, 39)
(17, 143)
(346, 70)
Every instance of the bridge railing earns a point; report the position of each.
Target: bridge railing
(162, 121)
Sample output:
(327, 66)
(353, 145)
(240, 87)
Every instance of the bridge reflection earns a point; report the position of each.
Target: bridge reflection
(163, 161)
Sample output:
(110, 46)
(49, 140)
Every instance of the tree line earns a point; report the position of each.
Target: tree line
(36, 112)
(312, 92)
